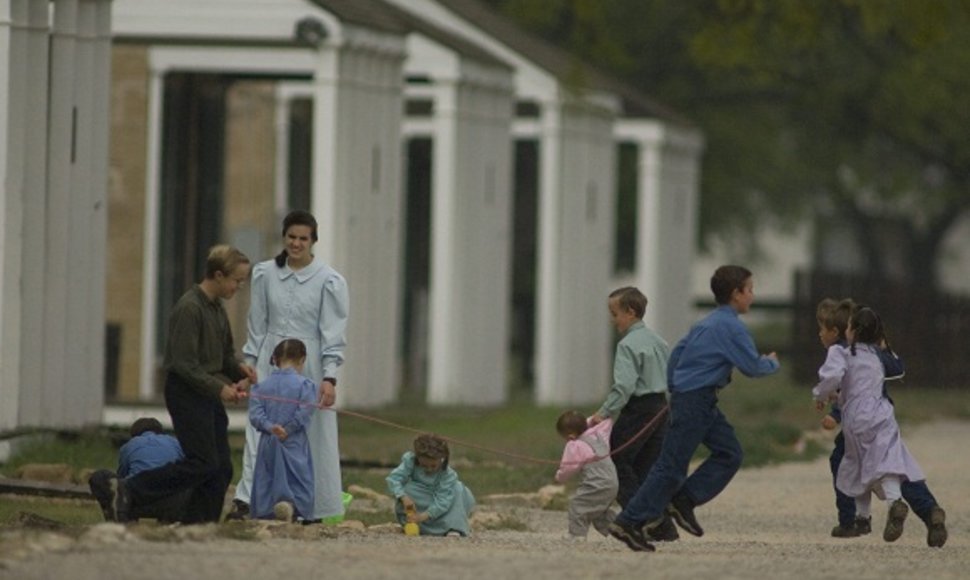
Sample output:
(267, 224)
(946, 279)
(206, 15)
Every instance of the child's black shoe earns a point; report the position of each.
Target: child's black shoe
(682, 509)
(664, 531)
(631, 536)
(863, 525)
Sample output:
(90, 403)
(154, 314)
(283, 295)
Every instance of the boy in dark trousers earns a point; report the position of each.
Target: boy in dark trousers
(699, 367)
(202, 375)
(638, 395)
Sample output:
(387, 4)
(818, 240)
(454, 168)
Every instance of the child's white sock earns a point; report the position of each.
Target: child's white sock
(862, 505)
(891, 488)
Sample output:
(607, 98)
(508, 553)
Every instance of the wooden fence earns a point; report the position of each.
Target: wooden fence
(930, 330)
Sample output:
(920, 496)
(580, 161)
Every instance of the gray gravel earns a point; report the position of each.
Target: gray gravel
(770, 523)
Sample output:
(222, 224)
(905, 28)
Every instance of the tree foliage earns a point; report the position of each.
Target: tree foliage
(852, 108)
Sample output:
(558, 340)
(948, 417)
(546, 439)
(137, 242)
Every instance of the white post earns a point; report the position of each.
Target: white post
(61, 157)
(101, 129)
(548, 255)
(149, 297)
(77, 386)
(13, 100)
(442, 319)
(35, 209)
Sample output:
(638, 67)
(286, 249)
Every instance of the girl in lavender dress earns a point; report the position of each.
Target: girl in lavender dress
(876, 459)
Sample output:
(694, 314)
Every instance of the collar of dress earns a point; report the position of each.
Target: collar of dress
(304, 273)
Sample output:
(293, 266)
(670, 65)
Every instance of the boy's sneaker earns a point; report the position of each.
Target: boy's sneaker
(283, 511)
(894, 523)
(112, 495)
(863, 525)
(850, 531)
(239, 511)
(682, 509)
(100, 484)
(662, 531)
(630, 536)
(936, 528)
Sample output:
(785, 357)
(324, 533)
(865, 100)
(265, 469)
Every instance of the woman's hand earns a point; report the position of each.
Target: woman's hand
(328, 394)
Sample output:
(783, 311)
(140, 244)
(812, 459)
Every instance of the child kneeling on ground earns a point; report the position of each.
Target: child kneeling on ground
(428, 491)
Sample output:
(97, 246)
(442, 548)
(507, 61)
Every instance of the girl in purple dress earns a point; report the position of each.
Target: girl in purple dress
(280, 409)
(876, 459)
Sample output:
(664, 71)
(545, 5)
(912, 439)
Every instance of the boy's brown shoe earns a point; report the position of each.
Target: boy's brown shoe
(936, 528)
(863, 525)
(894, 523)
(662, 531)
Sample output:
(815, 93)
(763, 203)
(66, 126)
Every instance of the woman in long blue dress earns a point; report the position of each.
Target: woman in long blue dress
(427, 486)
(283, 473)
(296, 295)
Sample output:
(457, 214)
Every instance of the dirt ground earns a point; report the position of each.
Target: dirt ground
(770, 523)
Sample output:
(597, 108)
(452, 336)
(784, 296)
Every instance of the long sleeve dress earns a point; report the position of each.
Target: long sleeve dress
(310, 304)
(441, 494)
(873, 446)
(284, 469)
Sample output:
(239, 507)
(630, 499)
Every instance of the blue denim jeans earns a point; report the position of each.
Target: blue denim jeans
(695, 420)
(843, 503)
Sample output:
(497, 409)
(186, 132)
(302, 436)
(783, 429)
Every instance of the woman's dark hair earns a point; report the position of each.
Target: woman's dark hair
(726, 280)
(297, 217)
(867, 328)
(290, 349)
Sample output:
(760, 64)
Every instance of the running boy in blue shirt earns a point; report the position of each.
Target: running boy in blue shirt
(700, 365)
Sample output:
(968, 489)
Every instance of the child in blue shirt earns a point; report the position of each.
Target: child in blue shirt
(149, 447)
(700, 365)
(833, 319)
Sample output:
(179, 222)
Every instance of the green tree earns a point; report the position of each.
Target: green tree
(848, 106)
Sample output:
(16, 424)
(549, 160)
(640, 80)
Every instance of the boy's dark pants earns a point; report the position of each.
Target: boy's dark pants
(200, 424)
(695, 419)
(916, 493)
(634, 461)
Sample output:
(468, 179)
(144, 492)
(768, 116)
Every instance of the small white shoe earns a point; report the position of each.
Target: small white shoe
(283, 511)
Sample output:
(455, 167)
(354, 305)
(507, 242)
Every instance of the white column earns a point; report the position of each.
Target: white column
(443, 320)
(76, 387)
(61, 157)
(149, 292)
(101, 129)
(35, 210)
(547, 255)
(325, 123)
(13, 101)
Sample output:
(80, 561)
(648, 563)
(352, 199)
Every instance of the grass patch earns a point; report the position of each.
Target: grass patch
(769, 415)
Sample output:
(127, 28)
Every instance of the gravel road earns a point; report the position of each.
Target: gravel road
(771, 522)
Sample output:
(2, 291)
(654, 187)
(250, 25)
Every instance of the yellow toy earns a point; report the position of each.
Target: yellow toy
(411, 528)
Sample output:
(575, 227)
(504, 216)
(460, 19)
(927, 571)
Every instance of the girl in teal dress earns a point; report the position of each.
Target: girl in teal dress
(429, 488)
